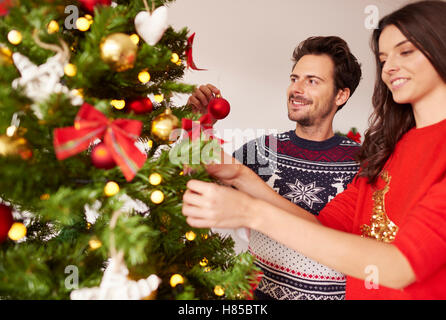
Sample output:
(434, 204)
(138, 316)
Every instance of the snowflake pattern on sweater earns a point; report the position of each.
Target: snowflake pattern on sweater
(309, 174)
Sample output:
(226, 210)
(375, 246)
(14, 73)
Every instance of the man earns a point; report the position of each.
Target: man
(308, 166)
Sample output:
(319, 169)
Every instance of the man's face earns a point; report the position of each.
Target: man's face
(311, 94)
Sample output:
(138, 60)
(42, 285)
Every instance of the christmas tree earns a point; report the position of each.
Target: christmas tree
(90, 197)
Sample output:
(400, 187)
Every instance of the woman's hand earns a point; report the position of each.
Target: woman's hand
(229, 171)
(208, 205)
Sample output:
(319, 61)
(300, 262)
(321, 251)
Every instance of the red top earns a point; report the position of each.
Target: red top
(415, 202)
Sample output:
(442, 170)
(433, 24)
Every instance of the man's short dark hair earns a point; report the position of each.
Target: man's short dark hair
(347, 70)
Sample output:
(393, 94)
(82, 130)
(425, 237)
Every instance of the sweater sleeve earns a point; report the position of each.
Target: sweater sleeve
(339, 212)
(422, 237)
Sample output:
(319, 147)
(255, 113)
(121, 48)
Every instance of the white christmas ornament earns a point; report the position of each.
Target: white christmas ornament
(151, 26)
(116, 286)
(39, 82)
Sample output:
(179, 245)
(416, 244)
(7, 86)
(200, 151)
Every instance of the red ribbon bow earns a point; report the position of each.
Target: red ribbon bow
(195, 128)
(355, 136)
(190, 60)
(119, 136)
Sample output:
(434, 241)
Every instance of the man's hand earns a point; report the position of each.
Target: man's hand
(201, 97)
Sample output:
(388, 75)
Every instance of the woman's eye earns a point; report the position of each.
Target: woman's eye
(405, 53)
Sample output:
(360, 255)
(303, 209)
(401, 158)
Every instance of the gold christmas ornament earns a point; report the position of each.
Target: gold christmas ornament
(155, 179)
(157, 197)
(17, 231)
(52, 27)
(5, 56)
(15, 37)
(111, 189)
(163, 125)
(14, 146)
(176, 279)
(118, 51)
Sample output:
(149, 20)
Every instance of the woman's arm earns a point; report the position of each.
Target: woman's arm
(208, 205)
(234, 173)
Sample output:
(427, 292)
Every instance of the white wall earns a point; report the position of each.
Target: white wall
(246, 45)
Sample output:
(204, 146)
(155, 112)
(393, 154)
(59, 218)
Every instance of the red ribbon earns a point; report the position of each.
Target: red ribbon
(119, 136)
(195, 128)
(354, 136)
(190, 60)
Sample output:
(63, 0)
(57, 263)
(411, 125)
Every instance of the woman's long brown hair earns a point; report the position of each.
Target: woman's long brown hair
(424, 24)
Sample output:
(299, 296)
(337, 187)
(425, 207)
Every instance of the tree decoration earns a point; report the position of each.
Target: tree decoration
(15, 37)
(155, 179)
(67, 209)
(115, 284)
(101, 157)
(219, 108)
(190, 59)
(39, 82)
(119, 136)
(17, 231)
(15, 146)
(83, 24)
(52, 27)
(5, 55)
(141, 106)
(157, 197)
(176, 279)
(89, 5)
(151, 24)
(6, 221)
(111, 189)
(163, 125)
(118, 51)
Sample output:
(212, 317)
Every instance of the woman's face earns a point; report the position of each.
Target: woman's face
(405, 70)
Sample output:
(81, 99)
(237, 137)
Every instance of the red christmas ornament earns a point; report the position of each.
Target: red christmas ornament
(90, 4)
(102, 158)
(6, 221)
(140, 106)
(219, 108)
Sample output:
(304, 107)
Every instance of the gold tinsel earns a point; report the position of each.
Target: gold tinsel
(381, 227)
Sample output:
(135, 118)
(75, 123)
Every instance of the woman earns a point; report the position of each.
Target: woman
(387, 231)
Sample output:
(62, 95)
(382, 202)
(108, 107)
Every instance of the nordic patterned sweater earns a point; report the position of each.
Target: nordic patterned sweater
(309, 174)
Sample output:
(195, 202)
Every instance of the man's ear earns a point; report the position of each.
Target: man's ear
(342, 96)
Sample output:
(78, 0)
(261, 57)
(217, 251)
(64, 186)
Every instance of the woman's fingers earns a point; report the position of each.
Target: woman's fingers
(199, 223)
(192, 198)
(201, 187)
